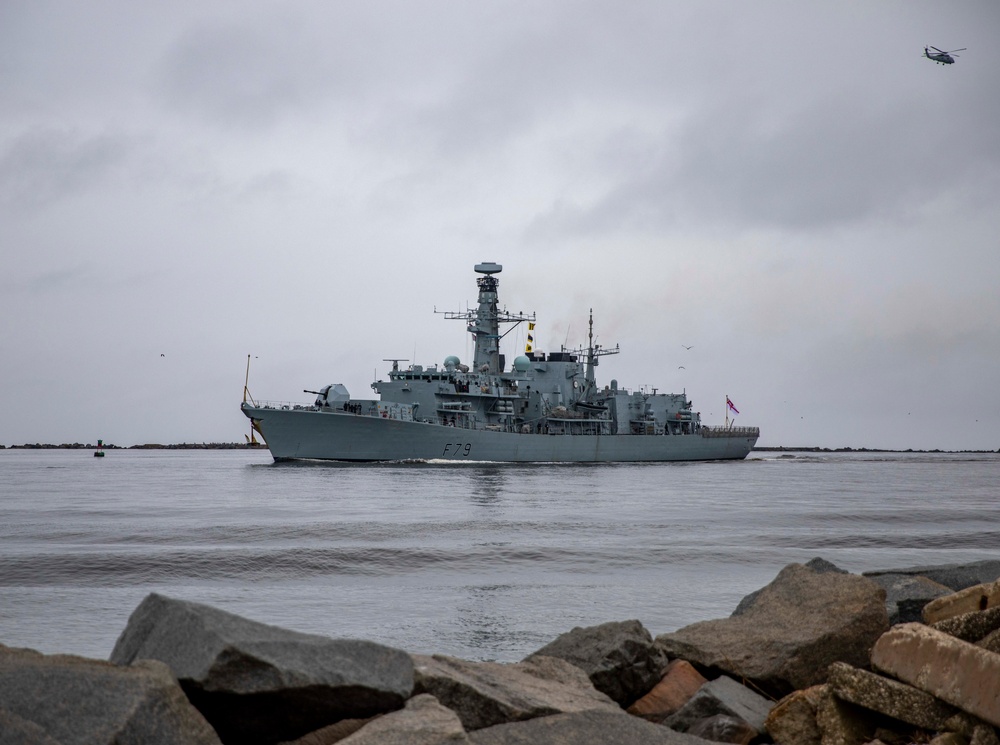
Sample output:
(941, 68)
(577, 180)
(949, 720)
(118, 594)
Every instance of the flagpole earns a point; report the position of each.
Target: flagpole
(726, 407)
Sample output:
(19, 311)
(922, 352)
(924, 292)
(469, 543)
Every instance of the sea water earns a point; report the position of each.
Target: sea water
(481, 561)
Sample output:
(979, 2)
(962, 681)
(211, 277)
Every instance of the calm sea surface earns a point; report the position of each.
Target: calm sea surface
(478, 561)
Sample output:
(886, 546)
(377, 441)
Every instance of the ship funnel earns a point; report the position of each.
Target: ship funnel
(489, 267)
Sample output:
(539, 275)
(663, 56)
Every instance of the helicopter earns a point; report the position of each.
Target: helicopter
(942, 58)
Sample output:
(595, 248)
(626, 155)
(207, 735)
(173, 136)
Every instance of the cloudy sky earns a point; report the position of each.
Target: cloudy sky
(789, 188)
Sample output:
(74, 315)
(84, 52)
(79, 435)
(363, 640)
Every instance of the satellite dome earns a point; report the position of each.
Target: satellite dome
(451, 361)
(522, 363)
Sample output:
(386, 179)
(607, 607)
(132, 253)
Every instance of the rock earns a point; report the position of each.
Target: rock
(722, 728)
(679, 683)
(969, 600)
(954, 576)
(889, 697)
(842, 723)
(990, 642)
(949, 738)
(821, 565)
(954, 671)
(906, 595)
(332, 733)
(15, 730)
(817, 564)
(789, 635)
(260, 684)
(488, 693)
(722, 696)
(619, 657)
(422, 722)
(583, 728)
(900, 735)
(792, 721)
(971, 627)
(66, 699)
(984, 735)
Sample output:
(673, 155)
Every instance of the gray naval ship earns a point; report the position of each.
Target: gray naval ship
(543, 408)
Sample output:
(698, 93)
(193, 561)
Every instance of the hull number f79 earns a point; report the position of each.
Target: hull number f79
(457, 449)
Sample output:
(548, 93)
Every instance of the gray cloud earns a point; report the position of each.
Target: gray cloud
(823, 165)
(236, 75)
(40, 166)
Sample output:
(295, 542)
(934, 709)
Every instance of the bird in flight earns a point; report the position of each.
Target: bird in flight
(682, 368)
(687, 347)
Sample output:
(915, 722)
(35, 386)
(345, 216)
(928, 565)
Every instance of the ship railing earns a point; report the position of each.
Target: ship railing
(285, 405)
(358, 408)
(722, 431)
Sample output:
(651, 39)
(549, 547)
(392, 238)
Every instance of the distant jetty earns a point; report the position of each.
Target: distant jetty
(146, 446)
(785, 449)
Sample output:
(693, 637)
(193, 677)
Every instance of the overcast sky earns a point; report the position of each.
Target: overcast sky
(789, 188)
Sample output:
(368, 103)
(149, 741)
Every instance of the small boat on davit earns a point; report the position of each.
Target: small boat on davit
(542, 408)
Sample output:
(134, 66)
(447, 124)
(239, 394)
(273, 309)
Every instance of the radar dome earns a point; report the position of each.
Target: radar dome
(451, 361)
(522, 363)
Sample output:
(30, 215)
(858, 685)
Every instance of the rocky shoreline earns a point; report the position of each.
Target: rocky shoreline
(819, 656)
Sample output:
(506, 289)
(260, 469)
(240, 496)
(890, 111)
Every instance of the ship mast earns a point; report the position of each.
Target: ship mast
(591, 378)
(484, 322)
(594, 352)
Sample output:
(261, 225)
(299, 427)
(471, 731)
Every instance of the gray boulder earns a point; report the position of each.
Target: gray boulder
(260, 684)
(68, 700)
(488, 693)
(15, 730)
(954, 576)
(723, 728)
(583, 728)
(797, 625)
(722, 696)
(821, 565)
(332, 733)
(422, 722)
(817, 564)
(907, 594)
(620, 658)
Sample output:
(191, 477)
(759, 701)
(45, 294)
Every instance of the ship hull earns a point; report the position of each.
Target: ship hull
(308, 434)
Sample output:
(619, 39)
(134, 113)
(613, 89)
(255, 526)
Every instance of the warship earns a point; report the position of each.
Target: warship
(543, 408)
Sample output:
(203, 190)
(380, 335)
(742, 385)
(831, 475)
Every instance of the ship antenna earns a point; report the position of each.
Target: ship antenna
(252, 439)
(246, 385)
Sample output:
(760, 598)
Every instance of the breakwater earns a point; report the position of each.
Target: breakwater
(817, 655)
